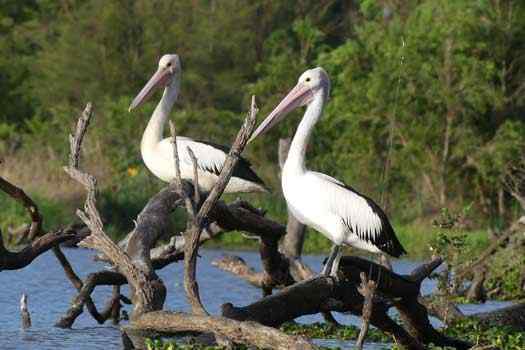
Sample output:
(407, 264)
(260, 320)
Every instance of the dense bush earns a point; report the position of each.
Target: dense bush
(426, 109)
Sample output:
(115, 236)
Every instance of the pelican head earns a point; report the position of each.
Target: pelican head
(310, 83)
(166, 76)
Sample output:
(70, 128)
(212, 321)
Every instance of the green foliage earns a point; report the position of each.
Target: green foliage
(504, 338)
(160, 344)
(326, 331)
(506, 275)
(426, 107)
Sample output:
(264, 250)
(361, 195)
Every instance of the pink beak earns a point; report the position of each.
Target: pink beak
(159, 80)
(300, 95)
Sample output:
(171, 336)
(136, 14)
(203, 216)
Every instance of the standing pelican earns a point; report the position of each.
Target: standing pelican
(157, 151)
(339, 212)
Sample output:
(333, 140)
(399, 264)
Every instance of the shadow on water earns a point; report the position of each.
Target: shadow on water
(50, 294)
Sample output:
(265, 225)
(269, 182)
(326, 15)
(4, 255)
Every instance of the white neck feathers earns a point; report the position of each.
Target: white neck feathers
(154, 132)
(296, 156)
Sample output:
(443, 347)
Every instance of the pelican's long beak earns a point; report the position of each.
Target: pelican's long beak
(159, 80)
(300, 95)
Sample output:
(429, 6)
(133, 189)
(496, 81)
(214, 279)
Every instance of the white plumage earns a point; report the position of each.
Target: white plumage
(339, 212)
(210, 159)
(157, 151)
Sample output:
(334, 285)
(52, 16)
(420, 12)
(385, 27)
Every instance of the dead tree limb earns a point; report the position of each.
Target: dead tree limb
(148, 291)
(78, 284)
(238, 216)
(20, 196)
(24, 312)
(367, 290)
(18, 260)
(324, 294)
(239, 332)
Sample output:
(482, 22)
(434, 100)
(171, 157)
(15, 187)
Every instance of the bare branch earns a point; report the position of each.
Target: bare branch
(196, 192)
(231, 160)
(17, 260)
(178, 181)
(367, 290)
(146, 297)
(75, 142)
(239, 332)
(193, 233)
(20, 196)
(24, 312)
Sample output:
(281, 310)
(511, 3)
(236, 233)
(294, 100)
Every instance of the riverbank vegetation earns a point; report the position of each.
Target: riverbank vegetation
(426, 106)
(426, 115)
(502, 338)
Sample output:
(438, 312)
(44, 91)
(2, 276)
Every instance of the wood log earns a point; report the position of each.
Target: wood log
(239, 332)
(324, 294)
(24, 312)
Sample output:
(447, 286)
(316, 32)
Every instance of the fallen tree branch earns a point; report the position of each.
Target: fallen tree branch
(239, 332)
(101, 278)
(324, 294)
(20, 196)
(148, 291)
(367, 290)
(18, 260)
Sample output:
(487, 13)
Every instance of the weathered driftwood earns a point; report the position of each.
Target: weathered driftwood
(19, 195)
(239, 332)
(325, 294)
(18, 260)
(101, 278)
(238, 215)
(367, 289)
(72, 234)
(24, 312)
(147, 290)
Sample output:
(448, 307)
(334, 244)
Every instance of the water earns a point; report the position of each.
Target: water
(50, 293)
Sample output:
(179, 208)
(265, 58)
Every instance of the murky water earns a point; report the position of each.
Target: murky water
(50, 294)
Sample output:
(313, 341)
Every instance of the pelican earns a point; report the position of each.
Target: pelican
(157, 151)
(339, 212)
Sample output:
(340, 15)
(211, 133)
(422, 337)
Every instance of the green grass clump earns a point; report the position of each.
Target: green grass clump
(161, 344)
(326, 331)
(504, 338)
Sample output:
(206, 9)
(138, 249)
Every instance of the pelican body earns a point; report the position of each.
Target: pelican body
(157, 151)
(336, 210)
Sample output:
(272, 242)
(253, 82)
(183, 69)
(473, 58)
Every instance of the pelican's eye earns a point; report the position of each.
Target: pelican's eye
(169, 64)
(308, 79)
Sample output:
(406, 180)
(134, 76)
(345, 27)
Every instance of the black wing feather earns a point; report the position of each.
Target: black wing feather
(243, 168)
(386, 240)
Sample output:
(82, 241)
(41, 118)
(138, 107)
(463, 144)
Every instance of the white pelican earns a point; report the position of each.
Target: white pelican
(339, 212)
(157, 151)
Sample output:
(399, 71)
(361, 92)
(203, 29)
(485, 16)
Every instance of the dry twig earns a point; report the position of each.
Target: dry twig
(367, 290)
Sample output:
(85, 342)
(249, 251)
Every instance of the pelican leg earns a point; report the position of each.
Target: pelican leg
(333, 254)
(335, 264)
